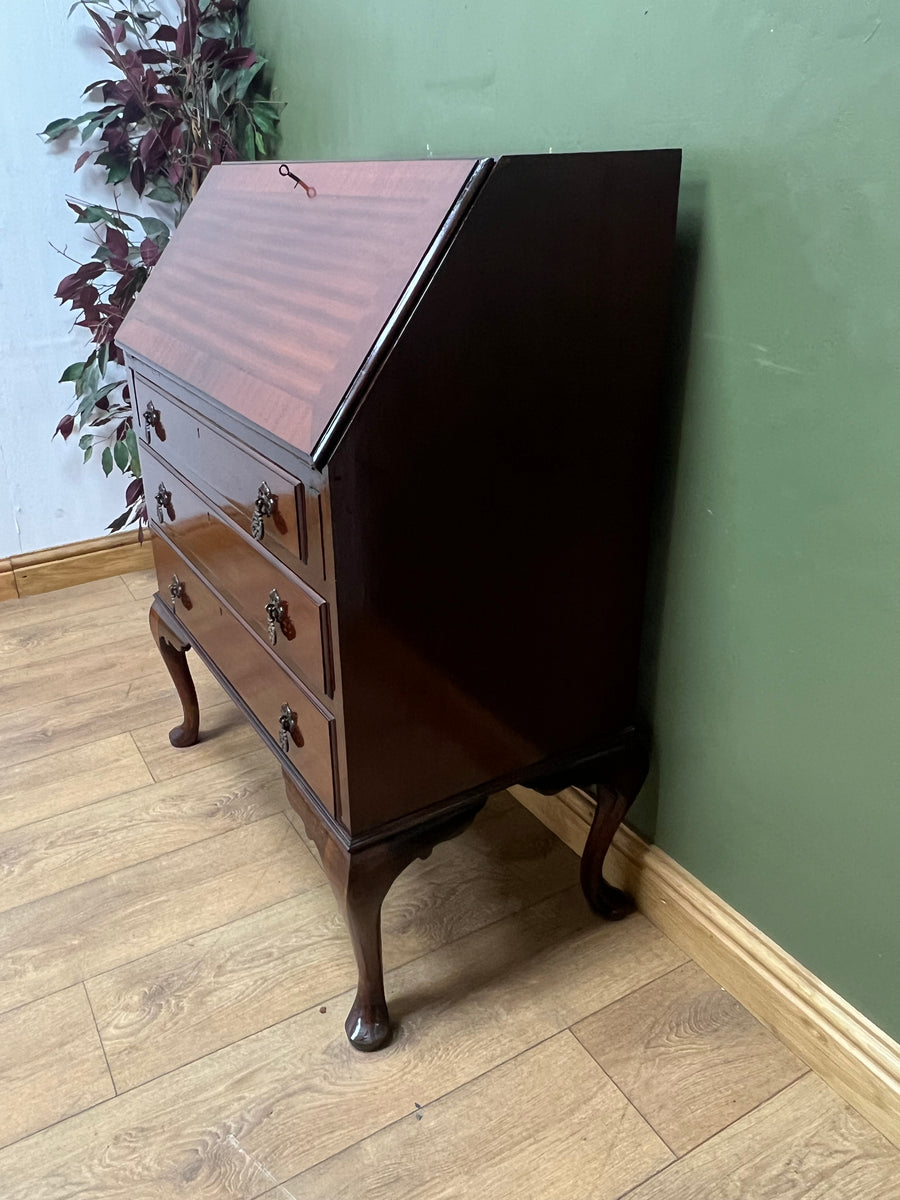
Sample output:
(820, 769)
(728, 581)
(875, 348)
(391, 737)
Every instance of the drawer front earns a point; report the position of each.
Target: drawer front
(246, 577)
(261, 682)
(262, 499)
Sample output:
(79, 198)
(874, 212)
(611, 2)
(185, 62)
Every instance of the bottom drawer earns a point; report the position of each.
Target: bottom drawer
(266, 688)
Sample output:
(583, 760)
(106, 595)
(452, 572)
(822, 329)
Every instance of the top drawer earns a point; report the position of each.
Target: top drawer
(263, 499)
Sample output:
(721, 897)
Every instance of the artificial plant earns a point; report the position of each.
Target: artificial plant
(185, 93)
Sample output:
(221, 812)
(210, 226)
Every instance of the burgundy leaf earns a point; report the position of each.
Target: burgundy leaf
(164, 100)
(121, 429)
(66, 425)
(105, 32)
(182, 42)
(165, 33)
(133, 110)
(118, 248)
(213, 48)
(137, 176)
(86, 298)
(71, 285)
(116, 136)
(240, 56)
(119, 33)
(103, 403)
(82, 159)
(151, 151)
(120, 91)
(150, 252)
(76, 208)
(152, 56)
(133, 491)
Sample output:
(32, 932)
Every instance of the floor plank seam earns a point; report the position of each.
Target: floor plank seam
(204, 933)
(144, 861)
(639, 988)
(153, 782)
(346, 992)
(628, 1100)
(718, 1133)
(419, 1108)
(112, 1077)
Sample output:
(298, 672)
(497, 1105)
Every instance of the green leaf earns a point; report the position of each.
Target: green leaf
(96, 214)
(132, 443)
(117, 172)
(59, 126)
(260, 144)
(106, 460)
(121, 519)
(88, 453)
(121, 455)
(164, 193)
(248, 148)
(265, 117)
(72, 372)
(154, 227)
(246, 76)
(103, 357)
(85, 441)
(215, 27)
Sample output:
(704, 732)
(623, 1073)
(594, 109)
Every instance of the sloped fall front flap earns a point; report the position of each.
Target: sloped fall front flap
(269, 300)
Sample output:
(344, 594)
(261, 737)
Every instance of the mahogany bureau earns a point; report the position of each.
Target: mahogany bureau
(397, 426)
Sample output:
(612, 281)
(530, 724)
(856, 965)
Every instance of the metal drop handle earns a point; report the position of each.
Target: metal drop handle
(163, 500)
(264, 506)
(176, 590)
(287, 723)
(151, 418)
(274, 615)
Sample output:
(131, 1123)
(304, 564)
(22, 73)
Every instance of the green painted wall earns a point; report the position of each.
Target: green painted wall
(774, 667)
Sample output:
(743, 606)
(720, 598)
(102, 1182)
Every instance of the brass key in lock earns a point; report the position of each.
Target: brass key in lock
(287, 722)
(275, 615)
(264, 506)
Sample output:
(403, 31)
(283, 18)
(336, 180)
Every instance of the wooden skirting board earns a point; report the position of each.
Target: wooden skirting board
(78, 562)
(854, 1056)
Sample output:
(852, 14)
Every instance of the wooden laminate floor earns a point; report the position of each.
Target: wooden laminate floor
(174, 980)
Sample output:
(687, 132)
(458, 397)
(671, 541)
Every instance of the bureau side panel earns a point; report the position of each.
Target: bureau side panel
(490, 502)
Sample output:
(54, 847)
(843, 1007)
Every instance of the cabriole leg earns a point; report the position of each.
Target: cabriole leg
(173, 647)
(360, 880)
(616, 791)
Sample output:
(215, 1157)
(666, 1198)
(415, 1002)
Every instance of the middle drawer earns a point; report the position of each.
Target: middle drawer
(275, 604)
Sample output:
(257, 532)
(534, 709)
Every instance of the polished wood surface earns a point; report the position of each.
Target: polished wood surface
(245, 575)
(173, 648)
(207, 968)
(256, 676)
(360, 880)
(227, 472)
(277, 327)
(420, 498)
(499, 531)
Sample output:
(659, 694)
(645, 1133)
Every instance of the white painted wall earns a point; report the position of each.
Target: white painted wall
(47, 497)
